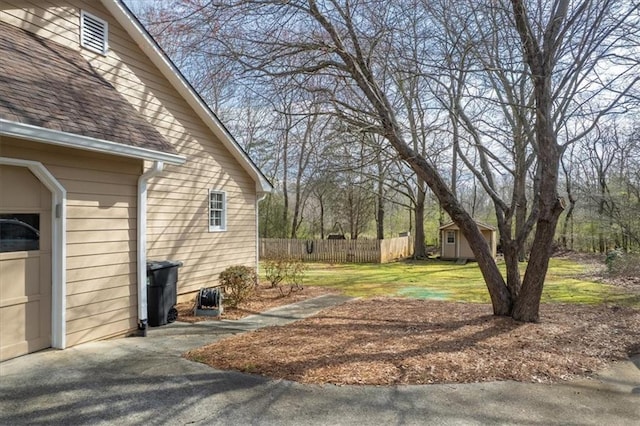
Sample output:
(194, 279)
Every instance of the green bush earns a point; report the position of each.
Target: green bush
(239, 282)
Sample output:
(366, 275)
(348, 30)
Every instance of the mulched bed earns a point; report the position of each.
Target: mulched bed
(385, 341)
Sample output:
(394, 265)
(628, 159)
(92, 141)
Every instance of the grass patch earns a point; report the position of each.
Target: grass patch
(441, 280)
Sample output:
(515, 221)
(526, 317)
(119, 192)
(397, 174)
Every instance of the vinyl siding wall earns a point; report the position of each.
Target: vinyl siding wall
(177, 213)
(101, 236)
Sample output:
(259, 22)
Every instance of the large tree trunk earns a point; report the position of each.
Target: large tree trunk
(512, 263)
(567, 242)
(520, 196)
(321, 202)
(540, 60)
(380, 209)
(527, 305)
(285, 189)
(295, 221)
(419, 249)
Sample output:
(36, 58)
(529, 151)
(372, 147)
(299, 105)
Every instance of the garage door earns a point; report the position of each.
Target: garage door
(25, 263)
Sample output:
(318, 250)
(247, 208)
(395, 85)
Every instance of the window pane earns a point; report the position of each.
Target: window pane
(216, 210)
(19, 232)
(216, 218)
(451, 237)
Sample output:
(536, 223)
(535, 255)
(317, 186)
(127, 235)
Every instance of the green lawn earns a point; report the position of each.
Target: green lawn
(447, 281)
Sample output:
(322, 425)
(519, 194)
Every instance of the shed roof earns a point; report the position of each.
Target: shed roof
(481, 225)
(46, 85)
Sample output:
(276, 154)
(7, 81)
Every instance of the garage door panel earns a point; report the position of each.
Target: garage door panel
(35, 313)
(27, 195)
(25, 270)
(22, 328)
(20, 277)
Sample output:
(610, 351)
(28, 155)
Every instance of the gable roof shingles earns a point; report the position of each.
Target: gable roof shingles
(48, 85)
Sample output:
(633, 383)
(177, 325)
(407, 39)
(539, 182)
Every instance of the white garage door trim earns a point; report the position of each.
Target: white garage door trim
(58, 245)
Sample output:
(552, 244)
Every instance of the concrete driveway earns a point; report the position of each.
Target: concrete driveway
(138, 380)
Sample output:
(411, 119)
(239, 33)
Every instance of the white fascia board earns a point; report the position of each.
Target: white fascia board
(133, 27)
(71, 140)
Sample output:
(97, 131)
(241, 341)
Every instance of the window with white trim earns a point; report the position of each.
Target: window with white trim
(217, 211)
(451, 237)
(93, 33)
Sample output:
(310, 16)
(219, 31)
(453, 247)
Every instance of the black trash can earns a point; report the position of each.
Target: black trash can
(162, 280)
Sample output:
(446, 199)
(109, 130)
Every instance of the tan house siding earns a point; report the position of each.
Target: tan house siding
(177, 200)
(101, 236)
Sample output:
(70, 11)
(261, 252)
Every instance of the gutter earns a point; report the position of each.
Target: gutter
(88, 143)
(259, 197)
(155, 170)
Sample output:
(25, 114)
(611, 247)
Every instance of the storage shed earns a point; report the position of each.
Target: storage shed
(454, 245)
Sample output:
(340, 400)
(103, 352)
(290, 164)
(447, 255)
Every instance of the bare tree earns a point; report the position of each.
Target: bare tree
(358, 46)
(566, 234)
(610, 164)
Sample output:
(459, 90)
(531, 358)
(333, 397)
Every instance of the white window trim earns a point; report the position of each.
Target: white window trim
(446, 236)
(224, 211)
(105, 38)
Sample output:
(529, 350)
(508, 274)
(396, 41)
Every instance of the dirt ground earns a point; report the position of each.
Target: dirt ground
(386, 341)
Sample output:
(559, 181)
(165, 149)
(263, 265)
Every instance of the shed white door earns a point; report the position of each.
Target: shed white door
(25, 263)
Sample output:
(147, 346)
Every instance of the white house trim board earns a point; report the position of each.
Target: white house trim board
(58, 245)
(259, 198)
(71, 140)
(155, 170)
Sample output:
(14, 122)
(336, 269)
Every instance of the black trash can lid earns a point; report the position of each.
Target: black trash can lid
(153, 265)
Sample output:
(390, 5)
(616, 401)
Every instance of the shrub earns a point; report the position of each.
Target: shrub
(275, 270)
(285, 270)
(613, 257)
(239, 282)
(297, 270)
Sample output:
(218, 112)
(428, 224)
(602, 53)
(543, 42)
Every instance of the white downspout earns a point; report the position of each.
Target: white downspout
(155, 169)
(259, 197)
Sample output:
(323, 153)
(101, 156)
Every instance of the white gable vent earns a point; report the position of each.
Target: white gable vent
(93, 33)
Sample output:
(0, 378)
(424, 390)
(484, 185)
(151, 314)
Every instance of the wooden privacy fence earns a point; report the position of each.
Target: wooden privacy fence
(338, 251)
